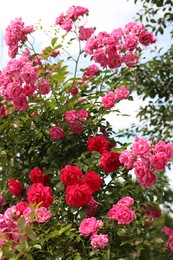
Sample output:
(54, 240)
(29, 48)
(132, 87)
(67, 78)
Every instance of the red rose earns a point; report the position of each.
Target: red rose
(36, 175)
(109, 161)
(78, 195)
(93, 180)
(15, 187)
(70, 174)
(39, 193)
(98, 143)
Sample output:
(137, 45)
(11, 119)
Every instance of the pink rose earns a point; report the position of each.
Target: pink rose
(108, 100)
(70, 116)
(127, 158)
(124, 215)
(121, 93)
(126, 201)
(159, 161)
(90, 226)
(130, 42)
(161, 146)
(141, 147)
(85, 33)
(43, 215)
(99, 241)
(146, 38)
(130, 59)
(56, 133)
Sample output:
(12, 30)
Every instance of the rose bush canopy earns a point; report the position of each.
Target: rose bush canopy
(69, 188)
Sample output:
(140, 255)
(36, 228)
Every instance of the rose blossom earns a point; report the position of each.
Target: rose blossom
(124, 215)
(159, 161)
(109, 161)
(15, 187)
(130, 42)
(78, 195)
(90, 226)
(141, 147)
(121, 93)
(108, 100)
(167, 231)
(99, 241)
(56, 133)
(85, 33)
(39, 193)
(91, 71)
(70, 174)
(161, 146)
(130, 59)
(36, 175)
(93, 180)
(126, 201)
(127, 158)
(97, 143)
(20, 207)
(82, 115)
(70, 116)
(43, 215)
(146, 38)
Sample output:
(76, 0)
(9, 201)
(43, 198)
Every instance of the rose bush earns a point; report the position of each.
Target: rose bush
(68, 185)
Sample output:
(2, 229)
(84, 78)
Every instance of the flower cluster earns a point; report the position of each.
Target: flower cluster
(9, 221)
(169, 233)
(16, 34)
(72, 14)
(146, 160)
(76, 120)
(17, 82)
(120, 46)
(121, 211)
(90, 226)
(79, 188)
(109, 99)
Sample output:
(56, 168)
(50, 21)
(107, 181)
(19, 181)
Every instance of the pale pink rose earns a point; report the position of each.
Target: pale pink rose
(130, 59)
(70, 116)
(141, 147)
(85, 33)
(43, 215)
(99, 241)
(88, 226)
(126, 201)
(56, 133)
(10, 213)
(3, 223)
(108, 100)
(122, 93)
(127, 158)
(161, 146)
(159, 161)
(130, 42)
(125, 215)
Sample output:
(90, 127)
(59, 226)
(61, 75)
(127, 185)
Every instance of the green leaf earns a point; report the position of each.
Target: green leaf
(30, 233)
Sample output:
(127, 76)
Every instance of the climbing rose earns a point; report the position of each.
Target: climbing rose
(15, 187)
(93, 180)
(70, 174)
(36, 175)
(108, 100)
(78, 195)
(99, 241)
(90, 226)
(97, 143)
(109, 161)
(56, 133)
(39, 193)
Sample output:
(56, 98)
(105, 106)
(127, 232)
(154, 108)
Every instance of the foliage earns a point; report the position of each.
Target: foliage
(49, 115)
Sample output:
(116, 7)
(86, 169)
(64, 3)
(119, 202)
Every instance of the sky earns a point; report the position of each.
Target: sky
(105, 15)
